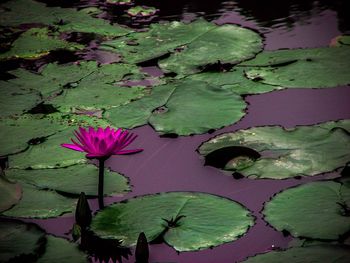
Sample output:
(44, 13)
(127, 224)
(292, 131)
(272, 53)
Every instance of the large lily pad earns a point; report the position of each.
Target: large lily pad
(20, 242)
(224, 44)
(10, 193)
(314, 210)
(73, 78)
(183, 107)
(185, 220)
(17, 12)
(15, 99)
(73, 180)
(37, 42)
(16, 134)
(63, 251)
(235, 81)
(48, 154)
(159, 40)
(316, 254)
(36, 203)
(315, 68)
(277, 153)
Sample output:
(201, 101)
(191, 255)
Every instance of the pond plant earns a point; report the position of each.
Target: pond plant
(101, 144)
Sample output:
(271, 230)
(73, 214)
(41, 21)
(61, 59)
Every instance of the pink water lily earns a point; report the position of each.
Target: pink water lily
(102, 143)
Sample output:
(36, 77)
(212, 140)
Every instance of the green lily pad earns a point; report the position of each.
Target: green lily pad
(20, 242)
(159, 40)
(141, 11)
(319, 254)
(48, 154)
(234, 81)
(186, 221)
(37, 42)
(183, 107)
(73, 78)
(277, 153)
(15, 100)
(63, 251)
(36, 203)
(16, 134)
(224, 44)
(73, 180)
(10, 194)
(315, 210)
(17, 12)
(315, 68)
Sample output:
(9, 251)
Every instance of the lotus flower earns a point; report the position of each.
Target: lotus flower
(102, 143)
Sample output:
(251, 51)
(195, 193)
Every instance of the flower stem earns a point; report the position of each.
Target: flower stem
(100, 182)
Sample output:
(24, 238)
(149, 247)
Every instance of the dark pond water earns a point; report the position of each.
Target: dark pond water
(172, 164)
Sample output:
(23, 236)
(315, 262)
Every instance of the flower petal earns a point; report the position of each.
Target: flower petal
(72, 147)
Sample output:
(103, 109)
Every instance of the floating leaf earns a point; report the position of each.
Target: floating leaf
(277, 153)
(315, 68)
(63, 251)
(10, 194)
(159, 40)
(234, 81)
(341, 41)
(141, 11)
(314, 210)
(36, 203)
(17, 134)
(183, 107)
(48, 154)
(319, 254)
(73, 78)
(37, 42)
(17, 12)
(119, 2)
(15, 100)
(222, 44)
(186, 221)
(73, 180)
(20, 242)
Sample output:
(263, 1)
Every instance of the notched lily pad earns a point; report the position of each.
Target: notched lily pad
(192, 107)
(319, 254)
(20, 242)
(187, 221)
(318, 210)
(48, 154)
(314, 68)
(37, 42)
(276, 153)
(72, 180)
(16, 134)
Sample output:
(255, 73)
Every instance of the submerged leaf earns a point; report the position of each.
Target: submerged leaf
(304, 150)
(186, 221)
